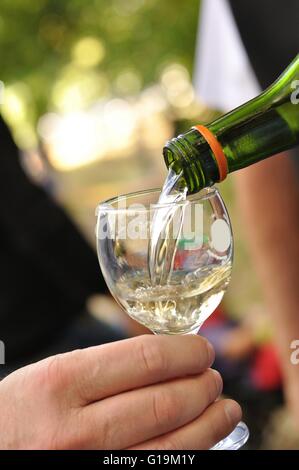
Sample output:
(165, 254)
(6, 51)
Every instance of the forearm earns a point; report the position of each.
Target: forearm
(268, 196)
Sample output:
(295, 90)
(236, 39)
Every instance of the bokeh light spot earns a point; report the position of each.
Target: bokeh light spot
(88, 52)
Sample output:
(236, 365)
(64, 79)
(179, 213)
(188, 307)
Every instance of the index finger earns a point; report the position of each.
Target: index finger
(101, 371)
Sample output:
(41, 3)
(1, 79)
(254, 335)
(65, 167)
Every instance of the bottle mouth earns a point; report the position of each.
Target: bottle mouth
(181, 159)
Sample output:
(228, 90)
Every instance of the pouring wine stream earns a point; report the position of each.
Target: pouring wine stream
(165, 230)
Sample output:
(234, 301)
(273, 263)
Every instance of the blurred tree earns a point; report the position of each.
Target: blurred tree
(106, 46)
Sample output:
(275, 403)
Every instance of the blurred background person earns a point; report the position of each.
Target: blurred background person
(250, 47)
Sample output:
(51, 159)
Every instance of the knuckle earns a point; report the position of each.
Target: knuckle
(54, 373)
(102, 431)
(48, 373)
(89, 432)
(68, 434)
(152, 355)
(170, 442)
(58, 442)
(107, 436)
(166, 408)
(76, 381)
(173, 442)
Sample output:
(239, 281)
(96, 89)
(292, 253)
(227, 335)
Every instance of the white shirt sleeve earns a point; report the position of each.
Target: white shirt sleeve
(223, 77)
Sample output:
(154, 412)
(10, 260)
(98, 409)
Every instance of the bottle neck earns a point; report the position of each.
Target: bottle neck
(264, 126)
(182, 155)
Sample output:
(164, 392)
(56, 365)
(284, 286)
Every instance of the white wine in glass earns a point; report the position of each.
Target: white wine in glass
(174, 284)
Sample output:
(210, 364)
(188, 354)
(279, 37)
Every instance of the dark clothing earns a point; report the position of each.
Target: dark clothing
(269, 31)
(82, 332)
(47, 270)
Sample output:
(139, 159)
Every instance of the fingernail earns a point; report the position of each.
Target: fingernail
(218, 380)
(233, 411)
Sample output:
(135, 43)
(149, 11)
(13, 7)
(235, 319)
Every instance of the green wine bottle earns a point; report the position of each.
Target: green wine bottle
(260, 128)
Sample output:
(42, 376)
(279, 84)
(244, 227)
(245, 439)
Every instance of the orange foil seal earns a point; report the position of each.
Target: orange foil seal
(216, 149)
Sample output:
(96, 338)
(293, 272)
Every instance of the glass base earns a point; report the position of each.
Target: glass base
(235, 440)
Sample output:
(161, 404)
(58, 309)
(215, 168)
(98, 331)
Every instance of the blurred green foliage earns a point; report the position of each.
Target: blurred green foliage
(37, 39)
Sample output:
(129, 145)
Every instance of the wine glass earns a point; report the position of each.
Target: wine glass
(175, 285)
